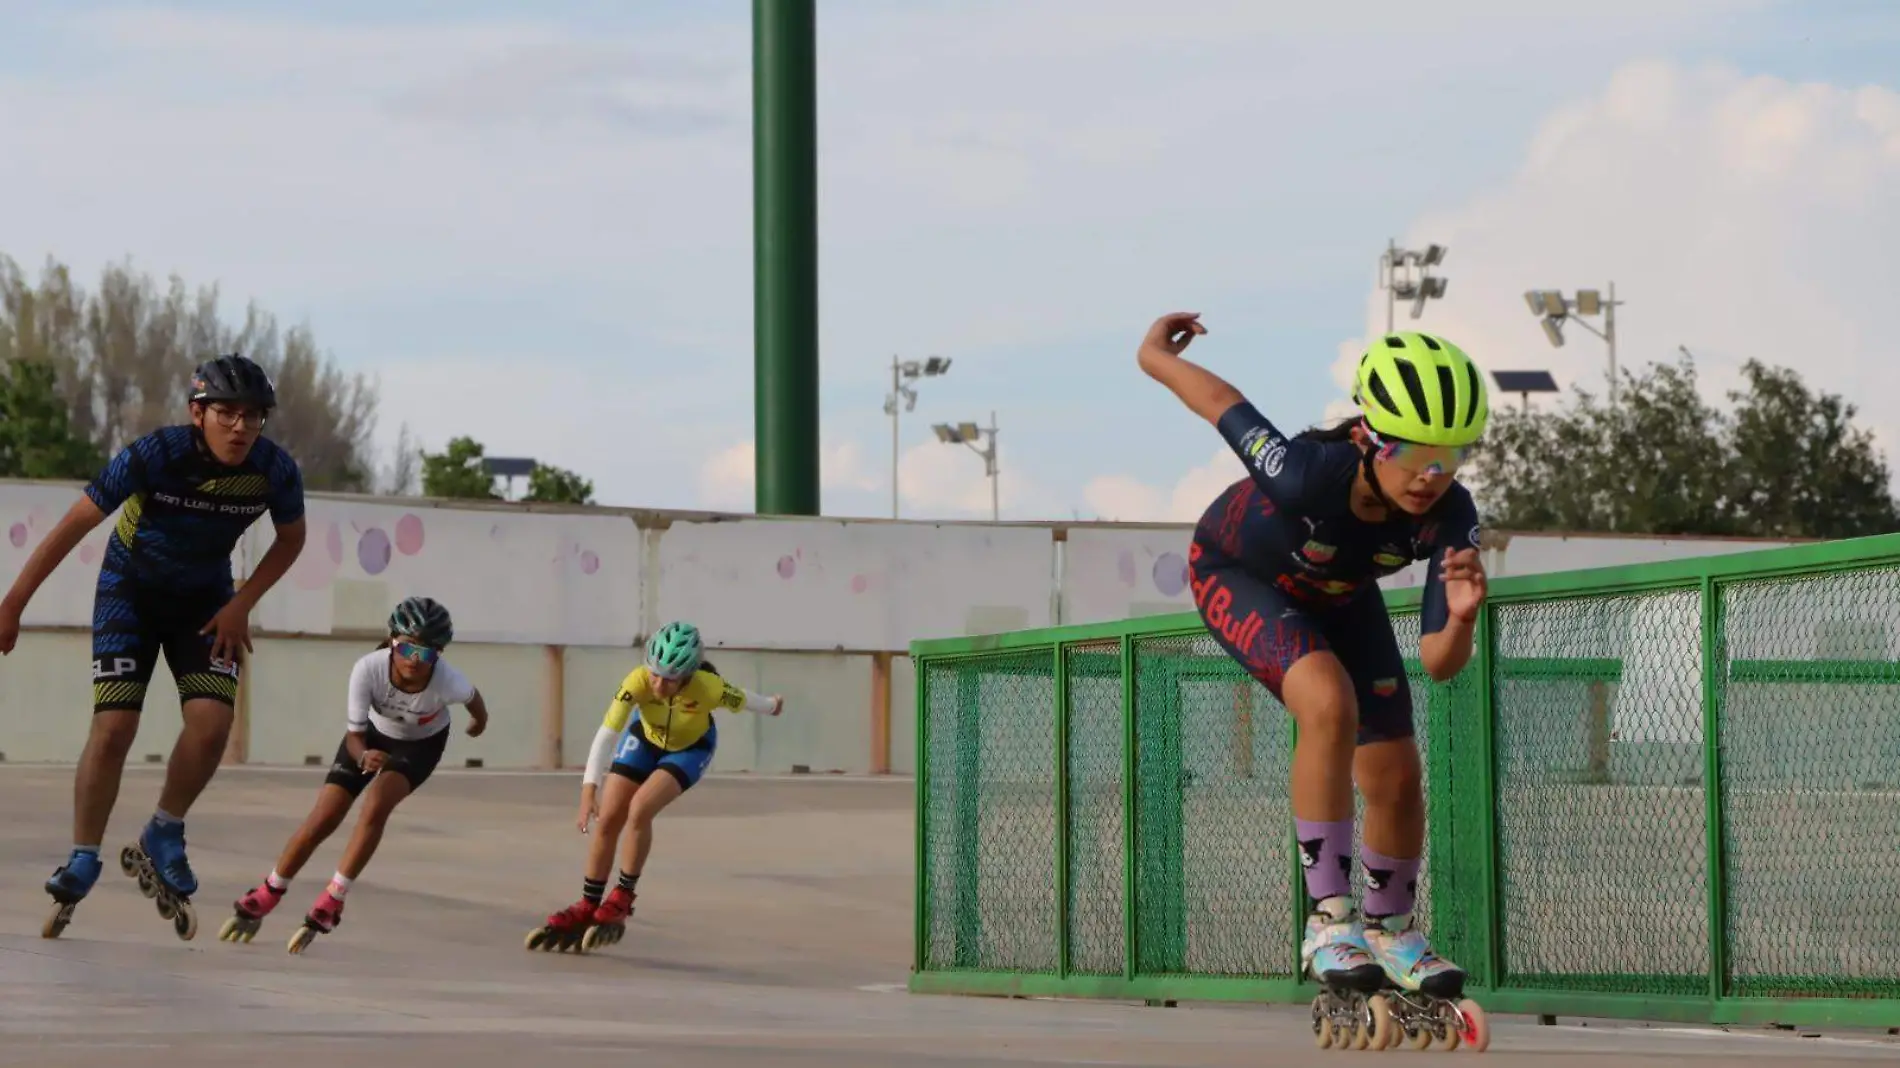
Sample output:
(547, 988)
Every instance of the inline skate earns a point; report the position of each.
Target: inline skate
(1424, 992)
(564, 930)
(323, 917)
(70, 884)
(157, 861)
(249, 913)
(1350, 1012)
(609, 923)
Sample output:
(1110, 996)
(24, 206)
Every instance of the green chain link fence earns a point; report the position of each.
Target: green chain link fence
(1668, 791)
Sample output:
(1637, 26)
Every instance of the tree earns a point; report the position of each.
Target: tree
(36, 437)
(122, 356)
(457, 471)
(1802, 466)
(460, 471)
(557, 485)
(1785, 463)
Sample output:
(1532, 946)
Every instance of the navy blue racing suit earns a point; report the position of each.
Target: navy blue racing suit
(1280, 567)
(167, 566)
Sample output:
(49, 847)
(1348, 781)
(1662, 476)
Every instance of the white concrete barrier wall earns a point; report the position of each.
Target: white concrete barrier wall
(551, 603)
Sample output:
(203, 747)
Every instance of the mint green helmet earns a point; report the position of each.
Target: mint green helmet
(674, 651)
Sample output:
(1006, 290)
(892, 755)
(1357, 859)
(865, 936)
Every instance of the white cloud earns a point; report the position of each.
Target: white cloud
(1741, 217)
(1123, 499)
(1738, 216)
(726, 480)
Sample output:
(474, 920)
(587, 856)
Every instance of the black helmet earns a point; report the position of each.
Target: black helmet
(424, 619)
(233, 378)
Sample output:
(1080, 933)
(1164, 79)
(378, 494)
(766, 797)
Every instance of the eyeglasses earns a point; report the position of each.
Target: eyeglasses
(409, 650)
(1416, 459)
(229, 418)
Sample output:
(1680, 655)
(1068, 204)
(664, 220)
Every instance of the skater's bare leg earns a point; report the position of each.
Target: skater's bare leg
(101, 765)
(659, 791)
(1319, 694)
(333, 803)
(615, 797)
(196, 754)
(1392, 781)
(379, 801)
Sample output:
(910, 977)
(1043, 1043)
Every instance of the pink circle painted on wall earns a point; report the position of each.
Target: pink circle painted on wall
(372, 551)
(17, 535)
(787, 567)
(409, 535)
(590, 562)
(860, 583)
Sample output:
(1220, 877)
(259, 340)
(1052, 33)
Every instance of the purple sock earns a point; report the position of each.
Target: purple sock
(1326, 855)
(1391, 884)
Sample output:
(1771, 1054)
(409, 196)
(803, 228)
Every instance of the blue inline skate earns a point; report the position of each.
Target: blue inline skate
(157, 861)
(70, 884)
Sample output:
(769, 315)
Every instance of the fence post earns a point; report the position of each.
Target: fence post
(1485, 642)
(1056, 652)
(1714, 675)
(1130, 814)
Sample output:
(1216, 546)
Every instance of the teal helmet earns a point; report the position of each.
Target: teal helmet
(674, 651)
(423, 620)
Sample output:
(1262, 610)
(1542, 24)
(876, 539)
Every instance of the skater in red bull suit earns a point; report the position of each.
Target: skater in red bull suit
(1284, 567)
(396, 732)
(675, 694)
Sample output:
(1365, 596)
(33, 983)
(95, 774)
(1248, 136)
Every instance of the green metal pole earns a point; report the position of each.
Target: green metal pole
(785, 257)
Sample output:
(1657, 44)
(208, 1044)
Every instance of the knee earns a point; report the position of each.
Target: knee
(641, 816)
(113, 733)
(1330, 717)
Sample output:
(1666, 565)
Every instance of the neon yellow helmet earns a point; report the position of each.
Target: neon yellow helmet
(1420, 388)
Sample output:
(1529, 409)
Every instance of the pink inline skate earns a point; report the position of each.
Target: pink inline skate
(322, 918)
(250, 912)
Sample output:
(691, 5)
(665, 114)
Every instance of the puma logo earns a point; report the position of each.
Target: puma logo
(1377, 878)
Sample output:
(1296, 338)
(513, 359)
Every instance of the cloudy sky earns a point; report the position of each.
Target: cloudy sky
(537, 229)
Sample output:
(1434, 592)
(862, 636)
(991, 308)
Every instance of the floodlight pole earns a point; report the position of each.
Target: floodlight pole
(904, 396)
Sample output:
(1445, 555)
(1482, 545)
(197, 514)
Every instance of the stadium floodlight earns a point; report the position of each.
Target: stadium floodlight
(1554, 311)
(970, 434)
(1417, 290)
(902, 372)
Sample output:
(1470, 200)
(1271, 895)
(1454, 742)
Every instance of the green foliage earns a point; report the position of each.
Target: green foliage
(36, 437)
(457, 471)
(557, 485)
(1784, 463)
(460, 471)
(121, 357)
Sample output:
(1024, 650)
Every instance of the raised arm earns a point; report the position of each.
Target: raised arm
(1284, 469)
(1206, 394)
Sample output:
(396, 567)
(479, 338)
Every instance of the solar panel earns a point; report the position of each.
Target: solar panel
(1525, 381)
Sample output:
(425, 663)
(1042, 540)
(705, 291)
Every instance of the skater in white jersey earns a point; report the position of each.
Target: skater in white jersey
(398, 728)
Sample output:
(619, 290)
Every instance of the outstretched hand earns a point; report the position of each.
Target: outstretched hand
(1463, 576)
(1173, 332)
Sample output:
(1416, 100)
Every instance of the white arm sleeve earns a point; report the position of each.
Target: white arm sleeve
(360, 699)
(757, 702)
(598, 756)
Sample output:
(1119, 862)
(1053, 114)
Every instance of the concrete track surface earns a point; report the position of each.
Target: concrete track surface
(773, 928)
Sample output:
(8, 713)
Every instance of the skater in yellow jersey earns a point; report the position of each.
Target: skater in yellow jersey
(674, 693)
